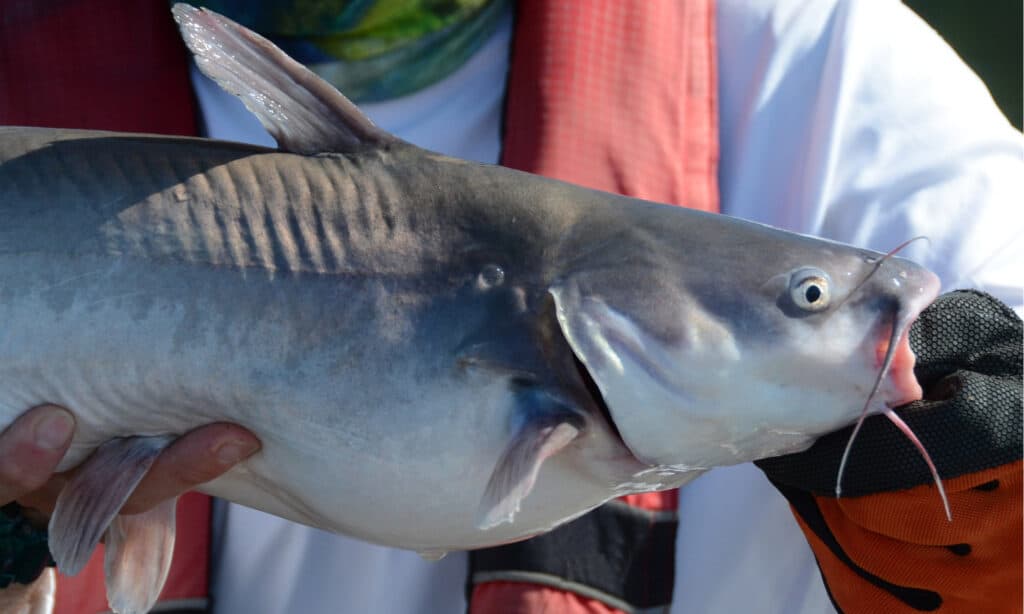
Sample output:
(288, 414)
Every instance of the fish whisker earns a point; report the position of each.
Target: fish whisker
(902, 426)
(877, 266)
(898, 329)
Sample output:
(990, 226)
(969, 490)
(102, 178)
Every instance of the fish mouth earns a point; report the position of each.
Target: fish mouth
(893, 353)
(901, 385)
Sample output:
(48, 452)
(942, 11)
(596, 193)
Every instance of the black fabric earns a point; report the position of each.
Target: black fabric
(621, 551)
(968, 348)
(24, 552)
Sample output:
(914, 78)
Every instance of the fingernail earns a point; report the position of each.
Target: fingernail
(53, 431)
(231, 452)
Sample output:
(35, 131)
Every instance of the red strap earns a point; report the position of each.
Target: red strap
(104, 64)
(621, 96)
(520, 598)
(665, 500)
(617, 95)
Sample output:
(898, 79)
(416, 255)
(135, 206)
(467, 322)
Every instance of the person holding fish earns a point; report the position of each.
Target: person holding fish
(808, 120)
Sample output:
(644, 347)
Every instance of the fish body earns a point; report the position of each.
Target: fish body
(171, 283)
(436, 354)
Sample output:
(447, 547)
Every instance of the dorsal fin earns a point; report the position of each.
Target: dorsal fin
(304, 113)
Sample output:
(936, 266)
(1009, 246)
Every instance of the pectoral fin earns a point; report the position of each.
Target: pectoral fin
(88, 506)
(138, 557)
(539, 438)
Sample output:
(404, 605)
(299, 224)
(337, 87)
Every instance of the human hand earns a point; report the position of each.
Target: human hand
(888, 546)
(30, 449)
(32, 446)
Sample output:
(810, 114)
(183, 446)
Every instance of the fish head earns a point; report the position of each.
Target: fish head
(715, 341)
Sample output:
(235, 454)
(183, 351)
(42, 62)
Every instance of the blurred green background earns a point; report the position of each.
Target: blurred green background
(987, 35)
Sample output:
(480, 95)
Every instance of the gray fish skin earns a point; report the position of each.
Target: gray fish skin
(342, 306)
(300, 297)
(156, 284)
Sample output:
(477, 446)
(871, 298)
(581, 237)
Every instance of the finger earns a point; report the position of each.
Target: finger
(197, 457)
(30, 449)
(44, 499)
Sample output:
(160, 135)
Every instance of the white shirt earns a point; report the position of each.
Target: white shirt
(848, 120)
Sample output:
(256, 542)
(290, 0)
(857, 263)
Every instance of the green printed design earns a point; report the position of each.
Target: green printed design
(372, 49)
(390, 25)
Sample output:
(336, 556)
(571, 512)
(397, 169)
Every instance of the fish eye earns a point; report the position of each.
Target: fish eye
(810, 291)
(491, 276)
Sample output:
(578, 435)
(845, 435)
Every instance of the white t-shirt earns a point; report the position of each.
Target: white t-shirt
(848, 120)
